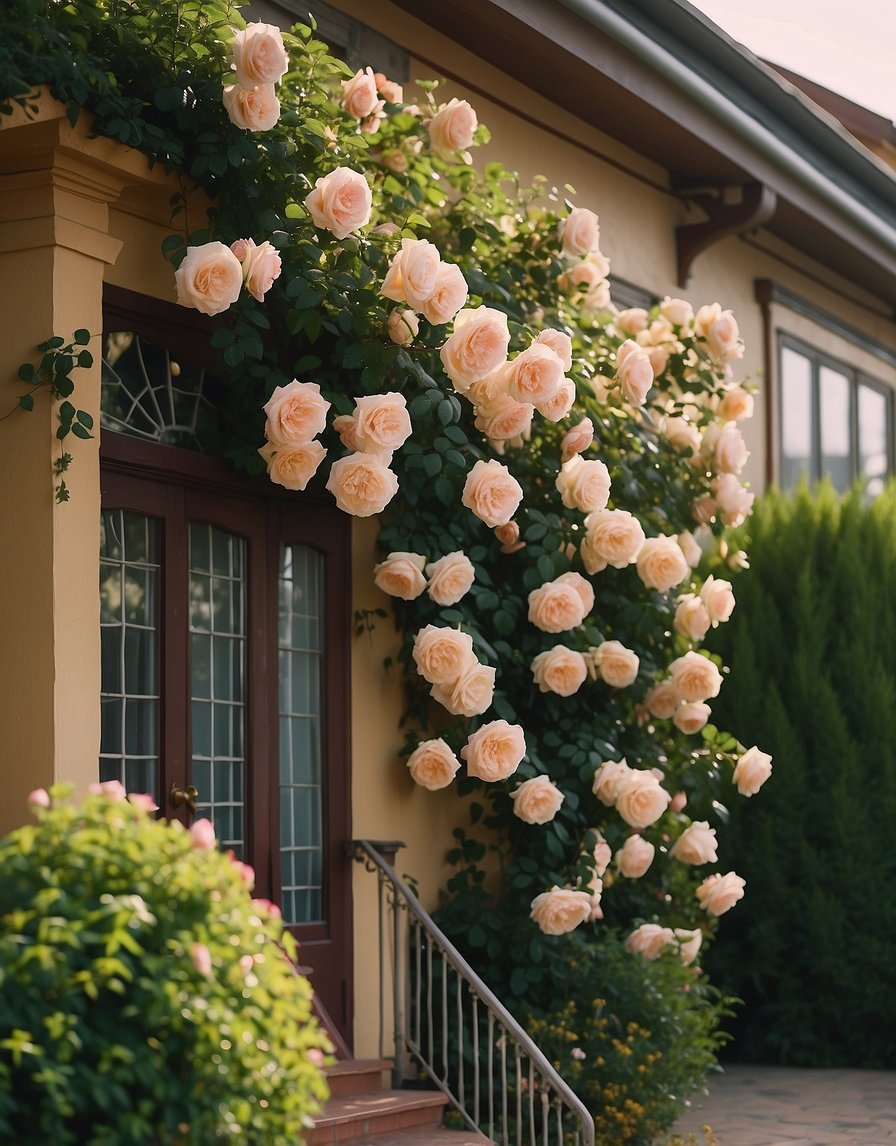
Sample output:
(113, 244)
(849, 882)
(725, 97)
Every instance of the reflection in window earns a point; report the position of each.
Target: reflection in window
(796, 417)
(873, 438)
(833, 410)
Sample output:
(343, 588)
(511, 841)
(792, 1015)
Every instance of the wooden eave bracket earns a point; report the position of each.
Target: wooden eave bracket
(728, 213)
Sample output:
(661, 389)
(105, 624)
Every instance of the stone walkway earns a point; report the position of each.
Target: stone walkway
(782, 1106)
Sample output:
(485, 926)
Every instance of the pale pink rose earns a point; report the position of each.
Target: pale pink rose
(395, 159)
(602, 855)
(617, 665)
(359, 96)
(697, 844)
(556, 408)
(477, 346)
(612, 537)
(143, 802)
(718, 597)
(661, 564)
(442, 654)
(292, 466)
(252, 109)
(678, 802)
(640, 798)
(471, 694)
(561, 344)
(635, 857)
(560, 910)
(344, 425)
(581, 586)
(201, 958)
(491, 492)
(447, 298)
(662, 700)
(724, 448)
(340, 202)
(362, 485)
(209, 279)
(719, 893)
(537, 801)
(633, 372)
(382, 423)
(112, 789)
(535, 374)
(202, 835)
(504, 418)
(580, 232)
(690, 547)
(488, 392)
(690, 718)
(453, 126)
(650, 940)
(403, 326)
(261, 265)
(245, 871)
(401, 575)
(39, 798)
(595, 889)
(695, 677)
(659, 359)
(577, 440)
(719, 330)
(588, 278)
(450, 578)
(509, 536)
(556, 606)
(494, 751)
(412, 274)
(704, 509)
(559, 670)
(388, 89)
(296, 413)
(433, 765)
(631, 321)
(733, 499)
(682, 434)
(691, 618)
(259, 56)
(584, 485)
(751, 771)
(677, 311)
(608, 780)
(736, 404)
(688, 944)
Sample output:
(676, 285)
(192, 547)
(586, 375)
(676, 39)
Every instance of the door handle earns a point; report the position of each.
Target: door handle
(178, 796)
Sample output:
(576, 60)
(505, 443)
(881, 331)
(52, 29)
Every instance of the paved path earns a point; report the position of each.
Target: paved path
(782, 1106)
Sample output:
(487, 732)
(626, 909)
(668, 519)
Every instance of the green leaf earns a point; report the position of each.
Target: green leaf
(432, 464)
(26, 401)
(81, 431)
(81, 337)
(26, 372)
(66, 412)
(85, 418)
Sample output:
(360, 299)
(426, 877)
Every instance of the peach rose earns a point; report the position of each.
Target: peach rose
(602, 855)
(719, 893)
(537, 801)
(259, 56)
(296, 413)
(718, 597)
(581, 586)
(469, 695)
(617, 665)
(252, 109)
(751, 771)
(641, 799)
(560, 670)
(584, 485)
(631, 321)
(382, 423)
(344, 425)
(261, 265)
(695, 677)
(209, 279)
(736, 404)
(733, 499)
(450, 578)
(688, 944)
(580, 232)
(449, 295)
(608, 780)
(535, 374)
(509, 537)
(612, 537)
(677, 311)
(724, 448)
(292, 466)
(650, 940)
(691, 618)
(202, 832)
(433, 765)
(577, 440)
(662, 700)
(682, 434)
(635, 857)
(494, 751)
(704, 509)
(362, 485)
(633, 372)
(588, 279)
(504, 418)
(403, 326)
(661, 563)
(557, 606)
(453, 126)
(412, 273)
(359, 96)
(441, 654)
(557, 407)
(340, 202)
(678, 802)
(492, 493)
(388, 89)
(401, 575)
(477, 346)
(560, 910)
(719, 330)
(697, 844)
(690, 718)
(561, 344)
(690, 547)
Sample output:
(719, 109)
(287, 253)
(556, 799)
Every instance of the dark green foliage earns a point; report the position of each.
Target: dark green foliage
(812, 650)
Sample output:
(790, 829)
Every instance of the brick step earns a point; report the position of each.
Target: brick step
(370, 1117)
(356, 1076)
(430, 1137)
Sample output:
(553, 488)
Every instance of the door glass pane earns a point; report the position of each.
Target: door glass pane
(217, 675)
(129, 643)
(796, 417)
(833, 397)
(874, 438)
(301, 796)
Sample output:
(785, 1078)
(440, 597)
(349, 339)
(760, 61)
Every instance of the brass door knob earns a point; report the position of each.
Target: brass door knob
(178, 796)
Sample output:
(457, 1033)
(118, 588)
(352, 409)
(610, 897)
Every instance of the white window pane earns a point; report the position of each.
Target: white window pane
(874, 438)
(796, 417)
(833, 398)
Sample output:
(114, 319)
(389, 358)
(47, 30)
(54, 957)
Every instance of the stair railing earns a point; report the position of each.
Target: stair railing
(445, 1018)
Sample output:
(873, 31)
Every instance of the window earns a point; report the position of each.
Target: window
(836, 422)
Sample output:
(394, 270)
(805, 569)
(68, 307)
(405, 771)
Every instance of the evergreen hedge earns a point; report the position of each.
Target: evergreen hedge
(812, 649)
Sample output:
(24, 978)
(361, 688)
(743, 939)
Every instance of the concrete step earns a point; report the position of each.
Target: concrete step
(378, 1117)
(357, 1076)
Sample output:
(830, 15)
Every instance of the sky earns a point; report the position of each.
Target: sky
(848, 46)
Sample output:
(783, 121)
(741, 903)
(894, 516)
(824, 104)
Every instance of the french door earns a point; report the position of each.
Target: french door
(224, 625)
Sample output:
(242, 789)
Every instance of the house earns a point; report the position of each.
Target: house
(715, 178)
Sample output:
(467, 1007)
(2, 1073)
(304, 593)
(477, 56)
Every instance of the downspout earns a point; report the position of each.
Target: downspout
(762, 289)
(608, 21)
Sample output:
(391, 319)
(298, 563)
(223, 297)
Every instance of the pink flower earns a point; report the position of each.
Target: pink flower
(39, 798)
(453, 126)
(340, 202)
(266, 907)
(209, 279)
(577, 440)
(359, 94)
(245, 871)
(260, 267)
(292, 466)
(143, 802)
(580, 232)
(202, 835)
(448, 296)
(112, 789)
(362, 485)
(719, 893)
(296, 413)
(633, 372)
(492, 493)
(259, 56)
(201, 958)
(252, 109)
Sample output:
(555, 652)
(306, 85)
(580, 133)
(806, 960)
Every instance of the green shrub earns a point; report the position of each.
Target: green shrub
(145, 998)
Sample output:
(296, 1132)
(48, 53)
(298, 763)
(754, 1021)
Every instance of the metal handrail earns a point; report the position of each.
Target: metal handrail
(528, 1104)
